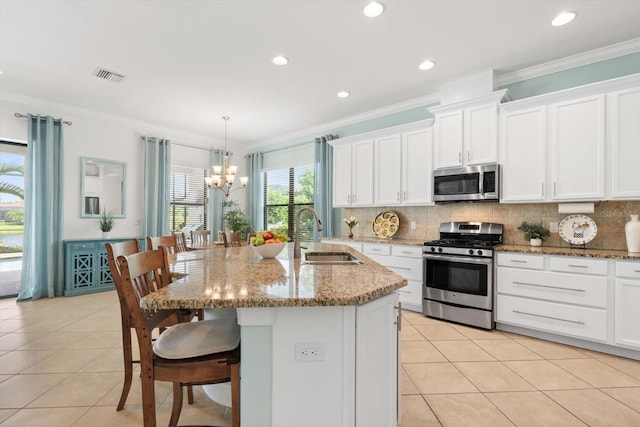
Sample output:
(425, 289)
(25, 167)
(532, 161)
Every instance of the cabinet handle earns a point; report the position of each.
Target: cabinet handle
(542, 189)
(554, 188)
(578, 266)
(353, 198)
(398, 196)
(637, 271)
(376, 249)
(577, 322)
(519, 261)
(348, 198)
(552, 287)
(468, 156)
(409, 253)
(405, 195)
(459, 156)
(399, 318)
(400, 268)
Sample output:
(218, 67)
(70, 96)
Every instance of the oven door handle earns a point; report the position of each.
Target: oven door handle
(462, 259)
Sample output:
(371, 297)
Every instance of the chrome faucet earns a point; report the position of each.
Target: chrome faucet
(296, 246)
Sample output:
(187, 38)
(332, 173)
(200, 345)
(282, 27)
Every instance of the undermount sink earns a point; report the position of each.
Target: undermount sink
(334, 258)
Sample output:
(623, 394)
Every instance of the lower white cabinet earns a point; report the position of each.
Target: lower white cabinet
(627, 311)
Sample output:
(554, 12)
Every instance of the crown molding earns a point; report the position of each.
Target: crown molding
(573, 61)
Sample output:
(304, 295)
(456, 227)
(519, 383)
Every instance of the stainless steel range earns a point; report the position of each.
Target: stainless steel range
(458, 273)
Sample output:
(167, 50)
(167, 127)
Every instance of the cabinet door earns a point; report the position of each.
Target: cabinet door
(416, 167)
(522, 146)
(625, 144)
(342, 175)
(577, 149)
(388, 169)
(481, 134)
(362, 173)
(627, 317)
(448, 135)
(377, 362)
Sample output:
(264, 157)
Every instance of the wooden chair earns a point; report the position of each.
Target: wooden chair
(114, 250)
(200, 237)
(181, 242)
(222, 237)
(167, 242)
(205, 352)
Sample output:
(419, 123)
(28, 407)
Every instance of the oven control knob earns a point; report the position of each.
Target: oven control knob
(439, 249)
(479, 251)
(470, 251)
(433, 249)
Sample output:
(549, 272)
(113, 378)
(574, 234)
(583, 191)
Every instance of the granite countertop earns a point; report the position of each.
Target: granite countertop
(588, 253)
(391, 241)
(237, 277)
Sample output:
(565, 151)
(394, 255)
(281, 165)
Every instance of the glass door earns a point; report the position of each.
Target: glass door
(12, 157)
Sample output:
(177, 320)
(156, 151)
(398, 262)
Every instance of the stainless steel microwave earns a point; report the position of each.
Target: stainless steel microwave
(478, 183)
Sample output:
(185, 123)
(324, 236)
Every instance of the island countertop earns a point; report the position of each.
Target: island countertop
(237, 277)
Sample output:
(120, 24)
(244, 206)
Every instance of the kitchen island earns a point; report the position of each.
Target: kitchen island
(319, 343)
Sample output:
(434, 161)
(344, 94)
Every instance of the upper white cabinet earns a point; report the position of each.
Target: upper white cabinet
(466, 133)
(577, 138)
(624, 126)
(353, 174)
(388, 170)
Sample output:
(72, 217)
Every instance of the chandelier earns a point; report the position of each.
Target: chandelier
(224, 175)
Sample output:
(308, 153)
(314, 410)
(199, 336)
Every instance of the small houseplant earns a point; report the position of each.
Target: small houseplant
(106, 223)
(351, 222)
(236, 219)
(535, 233)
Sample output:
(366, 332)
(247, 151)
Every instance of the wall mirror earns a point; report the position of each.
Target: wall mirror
(103, 187)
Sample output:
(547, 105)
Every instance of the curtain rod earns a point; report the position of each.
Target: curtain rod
(142, 137)
(66, 122)
(313, 141)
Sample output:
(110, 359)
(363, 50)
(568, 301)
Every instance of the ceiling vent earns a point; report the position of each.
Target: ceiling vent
(112, 76)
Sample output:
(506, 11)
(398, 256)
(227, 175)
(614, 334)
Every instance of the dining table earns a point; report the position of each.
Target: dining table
(301, 324)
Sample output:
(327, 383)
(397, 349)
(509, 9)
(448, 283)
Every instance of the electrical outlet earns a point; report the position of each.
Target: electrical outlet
(309, 352)
(553, 227)
(413, 225)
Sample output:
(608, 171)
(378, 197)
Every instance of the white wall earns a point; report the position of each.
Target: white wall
(98, 135)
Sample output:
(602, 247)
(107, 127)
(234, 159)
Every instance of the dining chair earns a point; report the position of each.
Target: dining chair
(181, 242)
(222, 237)
(195, 353)
(114, 250)
(200, 237)
(167, 242)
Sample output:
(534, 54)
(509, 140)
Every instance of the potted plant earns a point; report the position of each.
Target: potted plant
(236, 219)
(106, 223)
(535, 233)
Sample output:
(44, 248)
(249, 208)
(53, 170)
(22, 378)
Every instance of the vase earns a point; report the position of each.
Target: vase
(632, 233)
(536, 242)
(350, 233)
(106, 234)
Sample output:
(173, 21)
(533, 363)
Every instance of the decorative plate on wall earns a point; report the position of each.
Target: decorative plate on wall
(577, 229)
(385, 224)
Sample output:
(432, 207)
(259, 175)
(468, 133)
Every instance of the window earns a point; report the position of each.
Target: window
(285, 192)
(187, 199)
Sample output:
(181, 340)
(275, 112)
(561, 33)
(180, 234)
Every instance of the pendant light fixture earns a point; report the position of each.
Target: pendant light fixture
(224, 175)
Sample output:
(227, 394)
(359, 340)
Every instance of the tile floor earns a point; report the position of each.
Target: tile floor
(60, 365)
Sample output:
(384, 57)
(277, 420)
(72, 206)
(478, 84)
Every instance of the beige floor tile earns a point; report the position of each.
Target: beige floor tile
(406, 385)
(416, 413)
(597, 373)
(6, 413)
(64, 361)
(410, 333)
(79, 389)
(45, 417)
(163, 392)
(479, 334)
(420, 319)
(595, 408)
(420, 351)
(462, 351)
(629, 396)
(107, 416)
(19, 390)
(466, 410)
(201, 412)
(3, 378)
(544, 375)
(507, 350)
(56, 341)
(111, 360)
(492, 377)
(533, 409)
(15, 340)
(15, 362)
(439, 332)
(11, 325)
(433, 378)
(628, 366)
(550, 350)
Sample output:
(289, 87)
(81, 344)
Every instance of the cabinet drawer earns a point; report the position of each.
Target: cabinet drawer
(578, 265)
(376, 249)
(407, 251)
(580, 322)
(412, 293)
(408, 268)
(83, 246)
(628, 269)
(535, 262)
(556, 287)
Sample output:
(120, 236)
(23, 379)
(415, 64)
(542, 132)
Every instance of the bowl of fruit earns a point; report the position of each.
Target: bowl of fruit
(268, 243)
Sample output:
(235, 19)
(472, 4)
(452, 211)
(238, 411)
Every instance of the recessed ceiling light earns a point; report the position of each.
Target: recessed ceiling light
(343, 94)
(280, 60)
(426, 65)
(563, 18)
(373, 9)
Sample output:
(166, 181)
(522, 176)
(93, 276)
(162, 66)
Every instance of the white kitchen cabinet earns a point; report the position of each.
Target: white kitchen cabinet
(466, 133)
(353, 174)
(353, 244)
(627, 299)
(577, 148)
(388, 170)
(624, 137)
(522, 154)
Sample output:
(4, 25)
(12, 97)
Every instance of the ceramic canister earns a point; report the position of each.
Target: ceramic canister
(632, 232)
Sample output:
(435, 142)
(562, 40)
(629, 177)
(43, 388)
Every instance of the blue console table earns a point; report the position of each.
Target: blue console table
(86, 268)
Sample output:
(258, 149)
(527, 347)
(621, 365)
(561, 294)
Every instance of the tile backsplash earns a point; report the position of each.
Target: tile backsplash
(610, 217)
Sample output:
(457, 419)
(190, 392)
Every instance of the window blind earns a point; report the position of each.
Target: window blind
(187, 199)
